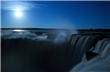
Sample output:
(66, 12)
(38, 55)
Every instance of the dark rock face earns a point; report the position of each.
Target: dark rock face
(25, 55)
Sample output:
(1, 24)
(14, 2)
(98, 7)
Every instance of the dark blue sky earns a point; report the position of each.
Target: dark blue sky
(67, 14)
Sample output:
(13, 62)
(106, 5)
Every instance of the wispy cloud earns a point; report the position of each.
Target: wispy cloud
(24, 5)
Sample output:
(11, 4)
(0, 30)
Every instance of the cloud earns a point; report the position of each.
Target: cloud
(22, 35)
(24, 5)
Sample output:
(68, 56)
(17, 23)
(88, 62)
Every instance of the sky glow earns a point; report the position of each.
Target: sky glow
(18, 13)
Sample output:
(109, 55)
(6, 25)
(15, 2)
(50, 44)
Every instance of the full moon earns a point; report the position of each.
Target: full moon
(18, 13)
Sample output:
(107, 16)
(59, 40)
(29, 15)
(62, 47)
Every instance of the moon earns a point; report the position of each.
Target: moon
(18, 12)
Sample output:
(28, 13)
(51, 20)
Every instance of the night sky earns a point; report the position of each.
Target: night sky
(57, 14)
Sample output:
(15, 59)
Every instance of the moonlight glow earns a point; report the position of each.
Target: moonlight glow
(18, 30)
(18, 13)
